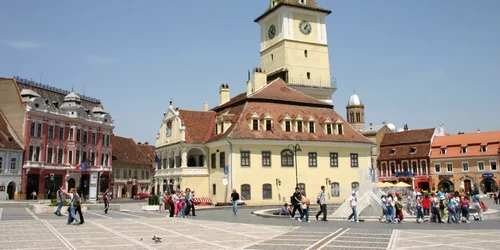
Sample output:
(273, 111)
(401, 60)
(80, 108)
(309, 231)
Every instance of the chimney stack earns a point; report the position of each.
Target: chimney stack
(146, 143)
(478, 131)
(224, 93)
(405, 127)
(259, 79)
(205, 106)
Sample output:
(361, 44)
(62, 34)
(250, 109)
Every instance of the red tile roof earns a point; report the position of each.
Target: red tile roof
(148, 150)
(398, 145)
(473, 142)
(7, 137)
(127, 151)
(277, 99)
(408, 137)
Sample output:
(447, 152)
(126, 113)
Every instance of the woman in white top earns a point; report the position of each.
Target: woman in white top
(71, 209)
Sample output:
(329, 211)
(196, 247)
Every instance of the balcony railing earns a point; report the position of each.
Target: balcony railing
(332, 83)
(182, 171)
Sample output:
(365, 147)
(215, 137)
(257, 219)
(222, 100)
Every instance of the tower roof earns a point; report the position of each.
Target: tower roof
(304, 4)
(354, 100)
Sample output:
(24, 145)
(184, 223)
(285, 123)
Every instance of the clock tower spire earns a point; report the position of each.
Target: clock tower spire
(293, 46)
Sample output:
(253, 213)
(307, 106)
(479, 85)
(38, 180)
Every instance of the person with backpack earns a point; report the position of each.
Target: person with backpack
(71, 208)
(296, 199)
(60, 202)
(105, 198)
(78, 207)
(477, 206)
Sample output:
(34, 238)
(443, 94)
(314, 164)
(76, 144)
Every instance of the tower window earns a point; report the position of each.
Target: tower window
(309, 75)
(305, 53)
(272, 57)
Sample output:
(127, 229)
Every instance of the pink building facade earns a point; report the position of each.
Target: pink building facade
(67, 141)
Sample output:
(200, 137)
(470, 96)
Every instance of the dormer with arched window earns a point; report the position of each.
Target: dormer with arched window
(253, 121)
(311, 125)
(327, 125)
(286, 122)
(299, 124)
(339, 127)
(267, 122)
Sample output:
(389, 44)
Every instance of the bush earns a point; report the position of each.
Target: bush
(153, 200)
(53, 202)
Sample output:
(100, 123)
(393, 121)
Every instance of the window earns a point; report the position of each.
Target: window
(305, 53)
(302, 187)
(245, 192)
(267, 192)
(37, 154)
(93, 138)
(1, 164)
(39, 130)
(147, 175)
(384, 169)
(51, 132)
(308, 75)
(117, 174)
(70, 157)
(222, 159)
(313, 159)
(311, 127)
(13, 163)
(300, 126)
(393, 168)
(483, 149)
(335, 189)
(414, 167)
(449, 167)
(269, 125)
(60, 153)
(78, 134)
(78, 157)
(287, 158)
(214, 189)
(288, 126)
(392, 152)
(85, 136)
(255, 124)
(329, 129)
(480, 166)
(61, 133)
(437, 167)
(84, 156)
(493, 165)
(272, 57)
(71, 134)
(443, 151)
(463, 150)
(340, 129)
(92, 159)
(355, 186)
(245, 158)
(49, 155)
(334, 160)
(213, 160)
(354, 160)
(201, 160)
(413, 150)
(424, 167)
(103, 140)
(465, 166)
(32, 129)
(30, 154)
(405, 166)
(266, 158)
(125, 176)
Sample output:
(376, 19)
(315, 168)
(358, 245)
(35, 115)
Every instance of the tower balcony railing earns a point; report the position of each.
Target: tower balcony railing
(332, 83)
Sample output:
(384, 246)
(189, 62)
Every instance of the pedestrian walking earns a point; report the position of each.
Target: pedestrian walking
(235, 197)
(419, 206)
(353, 200)
(192, 203)
(105, 198)
(477, 206)
(71, 208)
(321, 200)
(78, 208)
(304, 204)
(171, 202)
(60, 202)
(296, 198)
(161, 202)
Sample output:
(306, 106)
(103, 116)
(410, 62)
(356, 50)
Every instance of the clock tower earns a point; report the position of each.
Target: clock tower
(293, 46)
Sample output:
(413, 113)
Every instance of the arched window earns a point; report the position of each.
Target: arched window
(351, 117)
(358, 117)
(245, 192)
(335, 189)
(405, 166)
(302, 187)
(287, 158)
(423, 164)
(393, 168)
(384, 169)
(414, 168)
(267, 191)
(191, 162)
(355, 186)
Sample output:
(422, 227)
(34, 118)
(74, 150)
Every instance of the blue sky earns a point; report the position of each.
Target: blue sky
(416, 62)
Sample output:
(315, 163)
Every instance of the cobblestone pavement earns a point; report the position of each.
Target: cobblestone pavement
(219, 229)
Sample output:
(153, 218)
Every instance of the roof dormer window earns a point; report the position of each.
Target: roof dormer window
(392, 152)
(328, 129)
(463, 150)
(300, 126)
(311, 127)
(443, 151)
(483, 149)
(255, 124)
(303, 1)
(269, 124)
(288, 126)
(413, 150)
(340, 129)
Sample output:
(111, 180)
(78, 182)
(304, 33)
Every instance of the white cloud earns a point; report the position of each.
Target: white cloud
(22, 45)
(97, 59)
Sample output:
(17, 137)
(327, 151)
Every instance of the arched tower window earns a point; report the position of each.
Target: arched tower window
(351, 117)
(358, 117)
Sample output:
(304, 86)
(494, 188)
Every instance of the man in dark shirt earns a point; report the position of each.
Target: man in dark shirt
(235, 197)
(296, 202)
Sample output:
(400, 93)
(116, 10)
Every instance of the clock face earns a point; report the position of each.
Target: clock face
(272, 32)
(305, 27)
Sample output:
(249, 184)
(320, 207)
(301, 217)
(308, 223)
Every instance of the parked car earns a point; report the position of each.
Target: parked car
(142, 196)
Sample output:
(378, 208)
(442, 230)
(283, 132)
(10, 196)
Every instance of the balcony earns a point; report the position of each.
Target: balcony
(320, 83)
(182, 171)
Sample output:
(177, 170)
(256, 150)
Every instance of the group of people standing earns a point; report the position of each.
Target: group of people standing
(301, 203)
(180, 203)
(75, 204)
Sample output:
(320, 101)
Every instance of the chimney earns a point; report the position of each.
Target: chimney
(224, 93)
(249, 87)
(259, 79)
(441, 129)
(405, 128)
(478, 131)
(146, 143)
(205, 106)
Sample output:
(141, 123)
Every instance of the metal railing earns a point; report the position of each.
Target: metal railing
(332, 83)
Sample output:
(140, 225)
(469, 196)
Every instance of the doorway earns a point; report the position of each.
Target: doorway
(11, 190)
(134, 190)
(446, 186)
(84, 185)
(71, 184)
(468, 186)
(488, 186)
(124, 191)
(32, 186)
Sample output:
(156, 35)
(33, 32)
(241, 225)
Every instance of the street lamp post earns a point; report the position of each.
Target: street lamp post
(295, 148)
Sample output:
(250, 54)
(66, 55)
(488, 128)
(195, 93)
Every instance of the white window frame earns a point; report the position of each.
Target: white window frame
(468, 166)
(447, 170)
(407, 164)
(485, 149)
(478, 169)
(437, 164)
(463, 150)
(411, 167)
(421, 168)
(13, 161)
(442, 150)
(496, 164)
(390, 169)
